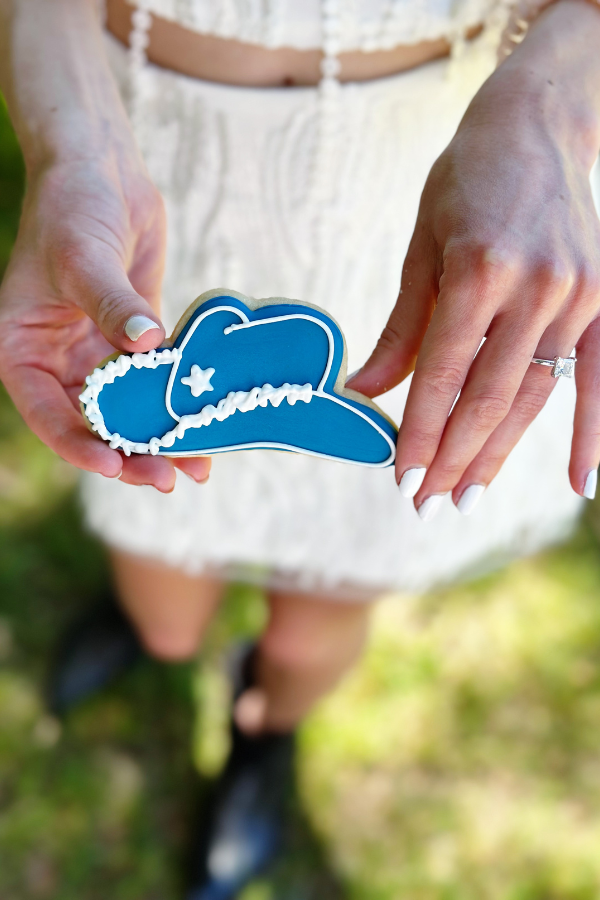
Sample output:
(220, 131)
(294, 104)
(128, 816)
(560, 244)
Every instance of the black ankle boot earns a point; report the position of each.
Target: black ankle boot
(95, 650)
(245, 820)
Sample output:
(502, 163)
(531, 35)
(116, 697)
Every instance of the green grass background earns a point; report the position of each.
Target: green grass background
(460, 761)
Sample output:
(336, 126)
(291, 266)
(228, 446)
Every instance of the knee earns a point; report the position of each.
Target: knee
(289, 648)
(170, 646)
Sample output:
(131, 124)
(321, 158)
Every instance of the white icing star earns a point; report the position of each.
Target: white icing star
(198, 380)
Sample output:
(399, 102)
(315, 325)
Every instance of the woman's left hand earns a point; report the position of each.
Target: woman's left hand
(506, 247)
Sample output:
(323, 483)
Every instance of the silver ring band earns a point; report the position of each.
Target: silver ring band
(561, 366)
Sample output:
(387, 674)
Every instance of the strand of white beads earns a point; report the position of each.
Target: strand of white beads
(322, 188)
(139, 38)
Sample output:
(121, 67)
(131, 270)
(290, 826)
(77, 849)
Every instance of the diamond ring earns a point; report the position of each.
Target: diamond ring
(559, 365)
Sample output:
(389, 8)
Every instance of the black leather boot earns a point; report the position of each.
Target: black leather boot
(94, 651)
(245, 819)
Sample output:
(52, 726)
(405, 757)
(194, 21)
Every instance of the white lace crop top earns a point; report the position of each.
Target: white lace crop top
(358, 24)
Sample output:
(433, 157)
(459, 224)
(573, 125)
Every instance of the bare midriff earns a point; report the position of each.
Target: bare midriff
(233, 62)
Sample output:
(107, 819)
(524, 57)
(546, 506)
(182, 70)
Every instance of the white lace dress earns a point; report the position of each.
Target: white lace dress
(312, 193)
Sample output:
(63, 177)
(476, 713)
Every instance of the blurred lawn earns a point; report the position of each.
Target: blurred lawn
(459, 762)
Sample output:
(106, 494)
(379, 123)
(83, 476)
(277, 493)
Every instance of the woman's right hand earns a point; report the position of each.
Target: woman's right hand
(89, 255)
(88, 258)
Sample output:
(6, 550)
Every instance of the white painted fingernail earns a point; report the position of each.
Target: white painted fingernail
(136, 326)
(469, 499)
(195, 480)
(591, 482)
(430, 507)
(411, 481)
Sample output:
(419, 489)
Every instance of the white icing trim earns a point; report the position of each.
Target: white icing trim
(244, 401)
(320, 392)
(184, 343)
(272, 445)
(116, 368)
(324, 326)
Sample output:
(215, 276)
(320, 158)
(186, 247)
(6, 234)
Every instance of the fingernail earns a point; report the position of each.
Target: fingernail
(196, 480)
(350, 377)
(411, 481)
(591, 482)
(469, 498)
(118, 475)
(430, 507)
(136, 326)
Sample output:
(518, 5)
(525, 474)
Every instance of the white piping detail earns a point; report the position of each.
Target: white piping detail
(245, 401)
(116, 368)
(272, 445)
(184, 342)
(324, 326)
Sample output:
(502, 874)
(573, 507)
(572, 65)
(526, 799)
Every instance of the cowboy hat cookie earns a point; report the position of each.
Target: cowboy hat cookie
(239, 374)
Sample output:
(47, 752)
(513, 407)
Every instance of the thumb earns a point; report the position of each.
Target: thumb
(396, 350)
(124, 317)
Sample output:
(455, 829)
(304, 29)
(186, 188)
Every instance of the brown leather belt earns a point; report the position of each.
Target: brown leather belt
(212, 58)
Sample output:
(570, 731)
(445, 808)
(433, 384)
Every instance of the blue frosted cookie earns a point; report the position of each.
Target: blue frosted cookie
(239, 374)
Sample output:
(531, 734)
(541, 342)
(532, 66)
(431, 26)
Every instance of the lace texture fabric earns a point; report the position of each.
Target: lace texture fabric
(247, 211)
(364, 24)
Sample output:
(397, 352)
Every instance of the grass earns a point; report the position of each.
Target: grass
(460, 761)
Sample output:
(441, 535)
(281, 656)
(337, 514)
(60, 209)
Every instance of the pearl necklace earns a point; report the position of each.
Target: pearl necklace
(141, 22)
(139, 39)
(322, 183)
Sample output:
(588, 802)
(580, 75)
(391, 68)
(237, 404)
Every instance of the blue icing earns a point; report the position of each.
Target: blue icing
(294, 351)
(319, 427)
(139, 412)
(249, 357)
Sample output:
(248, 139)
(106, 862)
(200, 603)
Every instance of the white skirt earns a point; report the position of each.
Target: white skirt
(263, 198)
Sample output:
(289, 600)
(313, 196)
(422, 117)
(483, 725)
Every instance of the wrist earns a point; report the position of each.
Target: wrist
(79, 135)
(58, 85)
(551, 83)
(527, 107)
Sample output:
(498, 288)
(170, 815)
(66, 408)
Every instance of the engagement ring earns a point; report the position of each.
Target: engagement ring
(559, 365)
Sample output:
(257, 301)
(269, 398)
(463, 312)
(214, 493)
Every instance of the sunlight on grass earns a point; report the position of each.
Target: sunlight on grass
(461, 759)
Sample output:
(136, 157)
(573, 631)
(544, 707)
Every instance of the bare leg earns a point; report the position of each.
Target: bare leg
(309, 643)
(169, 609)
